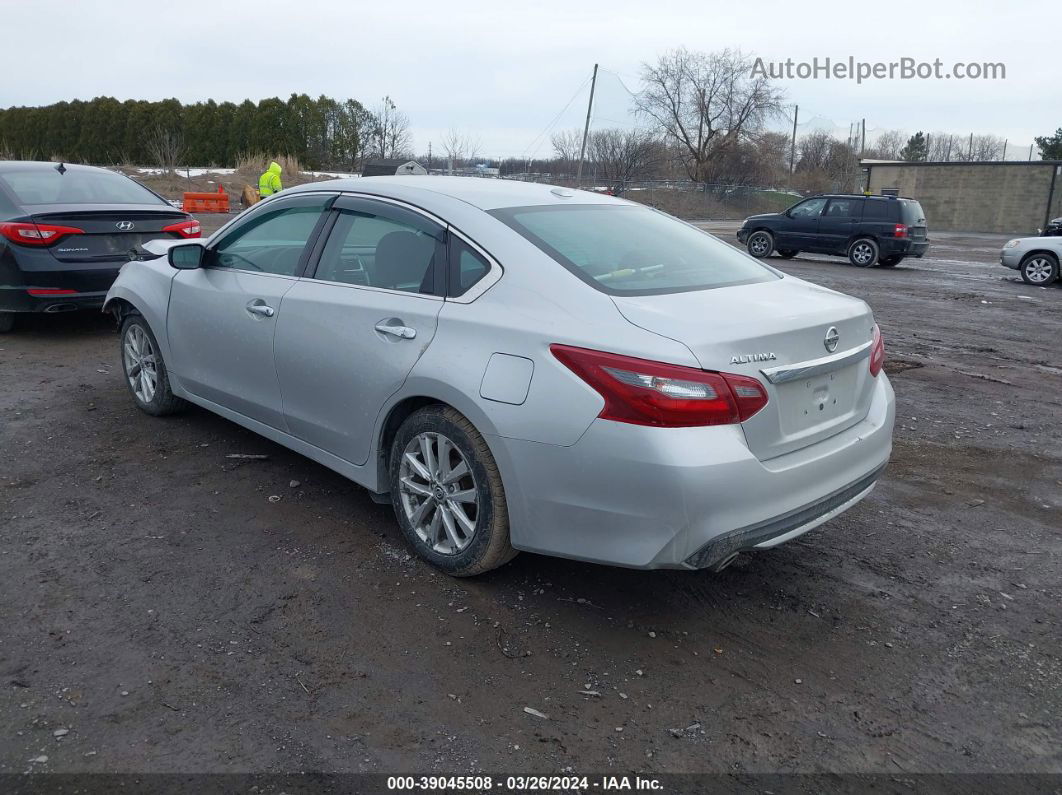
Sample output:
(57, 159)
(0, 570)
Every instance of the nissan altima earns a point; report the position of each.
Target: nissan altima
(65, 230)
(521, 367)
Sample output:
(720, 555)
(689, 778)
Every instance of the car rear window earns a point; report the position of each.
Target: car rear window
(631, 250)
(48, 186)
(911, 213)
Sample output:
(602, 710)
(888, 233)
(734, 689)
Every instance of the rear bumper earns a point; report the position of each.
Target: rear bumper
(18, 299)
(903, 247)
(688, 498)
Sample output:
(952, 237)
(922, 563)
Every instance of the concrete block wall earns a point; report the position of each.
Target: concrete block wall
(1004, 198)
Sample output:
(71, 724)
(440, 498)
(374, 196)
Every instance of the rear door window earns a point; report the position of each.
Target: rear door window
(374, 244)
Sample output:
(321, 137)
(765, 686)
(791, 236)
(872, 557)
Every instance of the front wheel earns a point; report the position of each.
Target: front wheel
(863, 253)
(145, 371)
(760, 244)
(447, 493)
(1039, 269)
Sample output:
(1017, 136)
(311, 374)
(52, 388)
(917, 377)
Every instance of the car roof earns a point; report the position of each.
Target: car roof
(44, 165)
(859, 196)
(482, 192)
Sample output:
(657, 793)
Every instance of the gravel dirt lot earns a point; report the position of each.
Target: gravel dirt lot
(161, 612)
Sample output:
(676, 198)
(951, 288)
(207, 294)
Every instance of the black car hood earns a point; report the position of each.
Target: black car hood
(764, 215)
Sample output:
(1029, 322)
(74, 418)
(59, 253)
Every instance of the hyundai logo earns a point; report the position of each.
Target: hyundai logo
(125, 226)
(832, 338)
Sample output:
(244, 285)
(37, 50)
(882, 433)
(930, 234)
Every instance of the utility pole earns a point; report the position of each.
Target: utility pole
(586, 127)
(863, 142)
(1030, 152)
(1005, 141)
(792, 145)
(429, 156)
(969, 153)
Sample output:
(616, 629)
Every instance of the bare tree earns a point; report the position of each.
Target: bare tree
(165, 145)
(764, 160)
(887, 145)
(824, 163)
(391, 136)
(460, 147)
(566, 147)
(706, 103)
(620, 156)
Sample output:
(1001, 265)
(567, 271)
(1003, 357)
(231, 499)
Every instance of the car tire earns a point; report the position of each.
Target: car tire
(145, 371)
(7, 322)
(863, 253)
(786, 253)
(440, 528)
(890, 262)
(1039, 268)
(760, 244)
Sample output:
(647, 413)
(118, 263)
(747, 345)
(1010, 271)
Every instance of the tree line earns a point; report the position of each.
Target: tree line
(323, 133)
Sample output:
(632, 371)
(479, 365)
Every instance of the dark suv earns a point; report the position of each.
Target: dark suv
(869, 230)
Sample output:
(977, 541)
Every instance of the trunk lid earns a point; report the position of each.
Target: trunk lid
(110, 234)
(773, 331)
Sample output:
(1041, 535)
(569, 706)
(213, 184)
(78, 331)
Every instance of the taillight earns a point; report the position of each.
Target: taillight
(190, 228)
(877, 352)
(49, 291)
(643, 392)
(900, 230)
(29, 234)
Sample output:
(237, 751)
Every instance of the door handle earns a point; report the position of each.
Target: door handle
(402, 332)
(261, 309)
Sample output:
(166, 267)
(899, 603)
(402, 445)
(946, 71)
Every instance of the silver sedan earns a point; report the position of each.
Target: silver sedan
(521, 367)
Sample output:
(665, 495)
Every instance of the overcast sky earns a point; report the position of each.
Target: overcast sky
(504, 71)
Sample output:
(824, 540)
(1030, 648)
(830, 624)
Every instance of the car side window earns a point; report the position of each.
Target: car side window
(467, 266)
(272, 242)
(808, 209)
(877, 210)
(375, 245)
(844, 208)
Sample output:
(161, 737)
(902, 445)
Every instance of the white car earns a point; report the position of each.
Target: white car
(1036, 258)
(520, 367)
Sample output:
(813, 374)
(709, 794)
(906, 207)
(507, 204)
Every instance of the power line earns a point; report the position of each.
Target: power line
(556, 118)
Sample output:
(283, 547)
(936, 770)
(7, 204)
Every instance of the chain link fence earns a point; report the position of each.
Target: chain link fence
(685, 199)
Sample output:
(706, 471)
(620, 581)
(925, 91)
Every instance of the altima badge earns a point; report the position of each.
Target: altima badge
(832, 338)
(747, 358)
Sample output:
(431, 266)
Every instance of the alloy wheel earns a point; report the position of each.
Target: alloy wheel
(438, 493)
(862, 253)
(759, 245)
(141, 365)
(1039, 270)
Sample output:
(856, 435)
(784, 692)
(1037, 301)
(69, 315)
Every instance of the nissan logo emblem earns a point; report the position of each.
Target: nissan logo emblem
(832, 338)
(125, 226)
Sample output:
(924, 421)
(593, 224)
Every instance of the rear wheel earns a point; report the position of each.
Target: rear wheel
(863, 253)
(890, 262)
(447, 493)
(1039, 269)
(7, 322)
(760, 244)
(145, 372)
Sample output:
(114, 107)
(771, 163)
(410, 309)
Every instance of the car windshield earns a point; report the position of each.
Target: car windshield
(75, 186)
(631, 250)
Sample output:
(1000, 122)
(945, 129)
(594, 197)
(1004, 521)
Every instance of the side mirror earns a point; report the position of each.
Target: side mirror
(186, 257)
